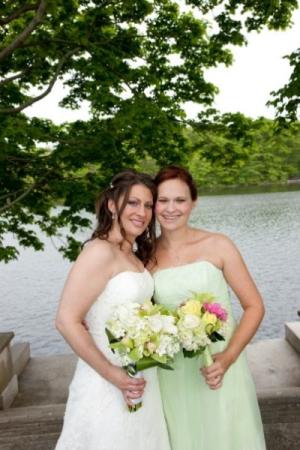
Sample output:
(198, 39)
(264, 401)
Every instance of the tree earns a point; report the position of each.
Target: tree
(235, 150)
(135, 62)
(287, 99)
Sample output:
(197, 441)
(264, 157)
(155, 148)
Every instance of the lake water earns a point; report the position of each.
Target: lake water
(265, 227)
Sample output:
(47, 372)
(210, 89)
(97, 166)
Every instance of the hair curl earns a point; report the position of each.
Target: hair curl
(120, 186)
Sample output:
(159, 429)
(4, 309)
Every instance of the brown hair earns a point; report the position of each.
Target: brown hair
(173, 172)
(121, 185)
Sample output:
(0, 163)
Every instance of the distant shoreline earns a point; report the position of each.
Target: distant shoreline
(294, 181)
(287, 186)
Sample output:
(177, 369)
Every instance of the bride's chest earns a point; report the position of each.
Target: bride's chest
(125, 287)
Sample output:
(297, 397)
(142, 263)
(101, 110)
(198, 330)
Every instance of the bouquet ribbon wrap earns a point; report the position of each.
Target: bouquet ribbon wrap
(136, 402)
(207, 358)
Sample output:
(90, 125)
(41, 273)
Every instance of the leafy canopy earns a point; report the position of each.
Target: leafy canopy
(135, 62)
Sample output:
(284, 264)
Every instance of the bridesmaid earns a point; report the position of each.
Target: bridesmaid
(215, 408)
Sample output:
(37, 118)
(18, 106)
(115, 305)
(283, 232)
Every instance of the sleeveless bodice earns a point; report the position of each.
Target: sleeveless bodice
(175, 284)
(125, 287)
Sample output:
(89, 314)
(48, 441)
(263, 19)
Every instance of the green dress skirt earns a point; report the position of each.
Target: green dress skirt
(199, 418)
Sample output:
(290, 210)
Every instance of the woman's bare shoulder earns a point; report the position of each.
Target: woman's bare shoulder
(99, 251)
(212, 238)
(215, 247)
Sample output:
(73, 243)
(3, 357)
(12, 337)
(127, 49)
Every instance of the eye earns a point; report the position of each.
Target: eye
(180, 200)
(133, 203)
(162, 200)
(149, 206)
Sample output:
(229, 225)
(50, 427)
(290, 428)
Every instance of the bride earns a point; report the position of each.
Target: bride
(107, 273)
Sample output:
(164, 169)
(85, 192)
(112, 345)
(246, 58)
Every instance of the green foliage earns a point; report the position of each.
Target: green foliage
(135, 62)
(236, 150)
(287, 99)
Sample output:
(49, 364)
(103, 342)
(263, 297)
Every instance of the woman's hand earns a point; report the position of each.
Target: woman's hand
(131, 388)
(214, 374)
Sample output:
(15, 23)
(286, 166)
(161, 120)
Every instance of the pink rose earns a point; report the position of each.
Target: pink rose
(216, 308)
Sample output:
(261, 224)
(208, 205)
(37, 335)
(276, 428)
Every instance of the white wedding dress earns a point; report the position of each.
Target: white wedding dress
(96, 416)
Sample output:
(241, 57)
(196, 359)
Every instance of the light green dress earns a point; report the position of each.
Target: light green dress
(199, 418)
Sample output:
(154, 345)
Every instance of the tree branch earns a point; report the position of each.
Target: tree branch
(17, 159)
(9, 204)
(32, 100)
(3, 197)
(16, 200)
(27, 32)
(13, 77)
(17, 13)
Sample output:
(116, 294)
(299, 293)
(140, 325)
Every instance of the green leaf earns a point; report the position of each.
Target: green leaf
(215, 336)
(147, 363)
(111, 338)
(134, 355)
(191, 353)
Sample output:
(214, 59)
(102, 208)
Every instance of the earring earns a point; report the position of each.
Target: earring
(148, 233)
(113, 216)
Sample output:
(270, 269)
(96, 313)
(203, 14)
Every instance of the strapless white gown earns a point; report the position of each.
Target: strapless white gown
(96, 416)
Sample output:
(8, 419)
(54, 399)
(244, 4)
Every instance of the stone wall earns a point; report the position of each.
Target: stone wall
(280, 409)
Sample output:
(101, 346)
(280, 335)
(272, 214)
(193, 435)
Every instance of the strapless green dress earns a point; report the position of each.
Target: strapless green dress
(199, 418)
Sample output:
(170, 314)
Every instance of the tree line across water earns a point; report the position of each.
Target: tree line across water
(234, 150)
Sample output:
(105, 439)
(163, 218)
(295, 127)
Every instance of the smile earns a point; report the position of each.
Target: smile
(170, 217)
(138, 223)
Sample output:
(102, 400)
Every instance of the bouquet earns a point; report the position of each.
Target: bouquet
(201, 321)
(143, 336)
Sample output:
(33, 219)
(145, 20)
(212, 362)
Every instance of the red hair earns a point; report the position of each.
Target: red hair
(176, 172)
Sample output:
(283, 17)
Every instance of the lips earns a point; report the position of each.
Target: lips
(138, 223)
(170, 217)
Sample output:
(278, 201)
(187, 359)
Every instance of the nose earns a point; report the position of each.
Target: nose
(142, 210)
(170, 206)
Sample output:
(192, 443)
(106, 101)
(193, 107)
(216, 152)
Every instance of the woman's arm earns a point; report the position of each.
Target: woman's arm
(241, 282)
(87, 279)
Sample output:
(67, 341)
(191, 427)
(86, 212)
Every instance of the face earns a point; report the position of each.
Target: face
(137, 214)
(174, 204)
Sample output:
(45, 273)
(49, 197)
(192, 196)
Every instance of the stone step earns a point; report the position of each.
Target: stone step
(280, 410)
(292, 334)
(31, 428)
(280, 406)
(31, 442)
(38, 427)
(45, 380)
(28, 423)
(20, 353)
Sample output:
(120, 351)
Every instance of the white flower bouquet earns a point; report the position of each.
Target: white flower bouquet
(143, 336)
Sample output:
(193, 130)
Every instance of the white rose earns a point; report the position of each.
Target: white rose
(190, 321)
(168, 324)
(155, 322)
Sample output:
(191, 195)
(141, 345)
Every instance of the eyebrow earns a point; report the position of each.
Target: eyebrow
(139, 200)
(178, 196)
